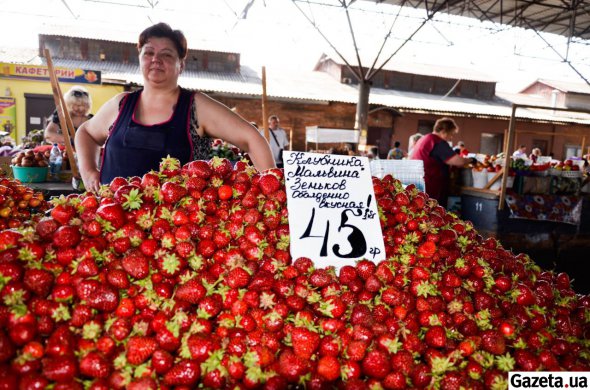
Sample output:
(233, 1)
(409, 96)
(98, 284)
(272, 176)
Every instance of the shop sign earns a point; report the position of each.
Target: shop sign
(41, 73)
(7, 114)
(333, 216)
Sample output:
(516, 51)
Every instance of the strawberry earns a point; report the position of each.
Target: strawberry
(198, 168)
(136, 264)
(493, 342)
(268, 184)
(305, 342)
(172, 192)
(104, 298)
(63, 213)
(376, 364)
(112, 213)
(94, 365)
(66, 236)
(38, 281)
(292, 367)
(183, 373)
(191, 291)
(63, 369)
(329, 368)
(140, 349)
(436, 337)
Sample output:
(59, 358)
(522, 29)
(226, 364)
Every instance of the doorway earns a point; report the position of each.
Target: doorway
(38, 109)
(381, 138)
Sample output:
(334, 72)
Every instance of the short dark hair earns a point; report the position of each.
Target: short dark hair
(396, 144)
(163, 30)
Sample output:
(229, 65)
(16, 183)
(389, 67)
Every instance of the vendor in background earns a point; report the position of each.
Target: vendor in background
(139, 129)
(396, 153)
(412, 142)
(78, 103)
(434, 150)
(535, 153)
(520, 152)
(460, 149)
(278, 139)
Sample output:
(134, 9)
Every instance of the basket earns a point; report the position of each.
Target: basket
(554, 172)
(30, 174)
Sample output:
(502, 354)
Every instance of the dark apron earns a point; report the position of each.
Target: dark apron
(133, 149)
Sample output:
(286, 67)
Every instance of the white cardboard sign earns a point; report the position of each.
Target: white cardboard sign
(333, 216)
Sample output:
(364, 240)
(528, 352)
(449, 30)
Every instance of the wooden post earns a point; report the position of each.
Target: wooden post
(583, 145)
(509, 146)
(65, 120)
(264, 113)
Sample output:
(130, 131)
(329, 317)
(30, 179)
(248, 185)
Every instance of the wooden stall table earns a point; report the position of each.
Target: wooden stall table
(551, 244)
(51, 189)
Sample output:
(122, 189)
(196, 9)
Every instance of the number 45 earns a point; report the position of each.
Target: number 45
(356, 238)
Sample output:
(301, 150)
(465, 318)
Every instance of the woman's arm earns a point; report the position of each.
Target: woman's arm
(52, 134)
(458, 161)
(218, 121)
(90, 137)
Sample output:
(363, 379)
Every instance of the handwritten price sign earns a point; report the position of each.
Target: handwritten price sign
(333, 215)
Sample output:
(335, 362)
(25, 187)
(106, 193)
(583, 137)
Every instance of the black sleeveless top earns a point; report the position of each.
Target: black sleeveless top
(133, 149)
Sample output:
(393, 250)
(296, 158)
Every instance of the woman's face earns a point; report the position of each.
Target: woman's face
(78, 109)
(159, 61)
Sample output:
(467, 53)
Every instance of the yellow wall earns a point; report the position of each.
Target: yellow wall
(100, 94)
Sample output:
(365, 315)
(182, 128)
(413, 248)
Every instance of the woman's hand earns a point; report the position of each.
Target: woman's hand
(91, 180)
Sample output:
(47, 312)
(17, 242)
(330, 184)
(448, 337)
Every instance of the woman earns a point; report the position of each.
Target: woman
(434, 150)
(78, 103)
(140, 128)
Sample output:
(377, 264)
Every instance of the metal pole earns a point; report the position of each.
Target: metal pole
(264, 113)
(509, 147)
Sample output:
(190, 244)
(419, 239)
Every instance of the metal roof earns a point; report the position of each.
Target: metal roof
(564, 86)
(318, 87)
(566, 18)
(436, 70)
(100, 33)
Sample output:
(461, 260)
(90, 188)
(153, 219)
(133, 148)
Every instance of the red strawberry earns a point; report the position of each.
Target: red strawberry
(192, 291)
(198, 168)
(104, 298)
(66, 236)
(95, 365)
(136, 264)
(62, 369)
(292, 367)
(376, 364)
(305, 342)
(140, 349)
(112, 213)
(63, 213)
(38, 281)
(329, 368)
(493, 342)
(172, 192)
(183, 373)
(268, 184)
(46, 227)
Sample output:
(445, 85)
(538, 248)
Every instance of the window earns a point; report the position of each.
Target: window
(491, 143)
(425, 127)
(572, 151)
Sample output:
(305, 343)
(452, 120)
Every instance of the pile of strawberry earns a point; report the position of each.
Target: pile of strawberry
(18, 203)
(183, 277)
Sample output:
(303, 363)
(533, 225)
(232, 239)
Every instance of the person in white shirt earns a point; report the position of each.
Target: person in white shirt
(520, 153)
(278, 139)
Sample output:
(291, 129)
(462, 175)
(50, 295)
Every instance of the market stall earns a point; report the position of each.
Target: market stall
(537, 208)
(322, 135)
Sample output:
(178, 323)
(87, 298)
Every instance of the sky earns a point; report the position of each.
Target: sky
(279, 34)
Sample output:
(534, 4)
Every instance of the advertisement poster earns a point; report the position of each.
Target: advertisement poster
(7, 115)
(333, 217)
(41, 73)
